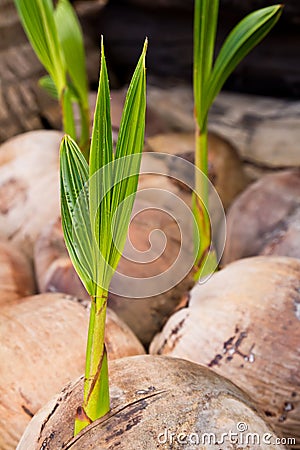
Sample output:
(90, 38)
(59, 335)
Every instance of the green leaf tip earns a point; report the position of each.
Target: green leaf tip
(145, 45)
(64, 143)
(249, 32)
(144, 51)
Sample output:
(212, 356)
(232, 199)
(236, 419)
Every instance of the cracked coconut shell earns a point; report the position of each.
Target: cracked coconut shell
(265, 218)
(244, 323)
(151, 397)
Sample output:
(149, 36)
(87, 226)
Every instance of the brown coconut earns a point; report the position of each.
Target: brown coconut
(244, 324)
(29, 186)
(16, 274)
(150, 398)
(43, 344)
(225, 168)
(265, 218)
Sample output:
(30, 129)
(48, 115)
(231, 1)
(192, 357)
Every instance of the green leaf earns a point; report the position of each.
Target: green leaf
(38, 22)
(74, 174)
(48, 85)
(101, 154)
(114, 179)
(70, 37)
(242, 39)
(129, 147)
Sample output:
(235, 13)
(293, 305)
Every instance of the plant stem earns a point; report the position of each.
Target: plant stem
(201, 162)
(96, 388)
(69, 121)
(205, 24)
(84, 142)
(67, 113)
(205, 262)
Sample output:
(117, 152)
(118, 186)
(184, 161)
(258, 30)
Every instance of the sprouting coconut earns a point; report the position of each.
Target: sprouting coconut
(29, 186)
(156, 402)
(16, 274)
(147, 315)
(244, 324)
(265, 218)
(55, 273)
(160, 201)
(42, 348)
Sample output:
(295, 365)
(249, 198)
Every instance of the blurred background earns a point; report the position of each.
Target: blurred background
(272, 69)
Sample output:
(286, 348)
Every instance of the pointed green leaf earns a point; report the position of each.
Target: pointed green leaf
(70, 37)
(38, 22)
(75, 211)
(130, 143)
(132, 127)
(101, 154)
(242, 39)
(48, 85)
(113, 179)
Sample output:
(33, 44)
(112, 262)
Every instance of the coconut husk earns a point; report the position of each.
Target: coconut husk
(29, 186)
(265, 218)
(150, 398)
(43, 344)
(16, 274)
(244, 324)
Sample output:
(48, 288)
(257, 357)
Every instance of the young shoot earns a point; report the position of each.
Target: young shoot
(209, 78)
(96, 205)
(56, 38)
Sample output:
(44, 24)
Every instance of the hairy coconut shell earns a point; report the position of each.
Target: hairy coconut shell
(150, 397)
(16, 274)
(265, 218)
(43, 344)
(244, 324)
(29, 186)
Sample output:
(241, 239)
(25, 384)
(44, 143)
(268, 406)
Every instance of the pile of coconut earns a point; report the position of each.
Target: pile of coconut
(224, 355)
